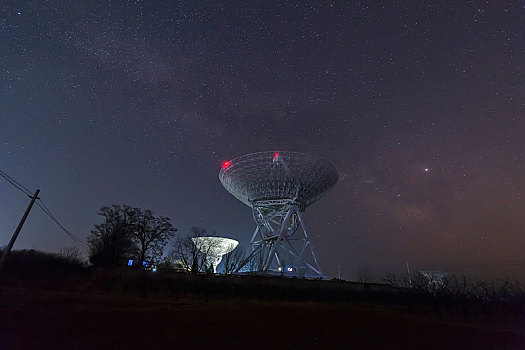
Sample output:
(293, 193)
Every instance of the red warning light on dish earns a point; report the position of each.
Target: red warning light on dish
(225, 165)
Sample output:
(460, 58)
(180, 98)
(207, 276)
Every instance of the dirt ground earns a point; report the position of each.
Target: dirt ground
(37, 319)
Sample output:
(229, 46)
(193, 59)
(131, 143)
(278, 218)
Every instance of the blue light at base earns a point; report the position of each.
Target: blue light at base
(130, 262)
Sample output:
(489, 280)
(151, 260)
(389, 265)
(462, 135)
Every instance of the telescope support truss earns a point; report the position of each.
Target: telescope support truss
(280, 243)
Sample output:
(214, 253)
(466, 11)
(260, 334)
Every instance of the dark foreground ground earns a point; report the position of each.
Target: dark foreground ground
(35, 318)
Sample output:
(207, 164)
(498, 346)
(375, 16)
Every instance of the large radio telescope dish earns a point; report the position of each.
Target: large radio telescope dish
(278, 175)
(214, 248)
(278, 186)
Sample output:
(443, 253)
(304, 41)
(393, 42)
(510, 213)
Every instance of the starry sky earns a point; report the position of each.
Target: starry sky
(420, 105)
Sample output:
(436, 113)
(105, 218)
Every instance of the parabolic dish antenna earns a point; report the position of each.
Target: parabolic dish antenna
(214, 248)
(278, 186)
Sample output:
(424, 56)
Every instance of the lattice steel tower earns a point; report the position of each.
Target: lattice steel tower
(278, 187)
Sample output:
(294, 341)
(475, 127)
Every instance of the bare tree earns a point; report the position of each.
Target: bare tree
(363, 275)
(255, 262)
(127, 232)
(186, 253)
(233, 260)
(151, 234)
(111, 240)
(391, 279)
(72, 254)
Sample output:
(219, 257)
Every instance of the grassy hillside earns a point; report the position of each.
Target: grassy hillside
(49, 301)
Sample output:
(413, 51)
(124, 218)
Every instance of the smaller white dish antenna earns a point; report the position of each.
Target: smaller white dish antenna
(214, 248)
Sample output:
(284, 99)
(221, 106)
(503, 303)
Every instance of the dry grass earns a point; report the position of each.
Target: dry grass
(124, 309)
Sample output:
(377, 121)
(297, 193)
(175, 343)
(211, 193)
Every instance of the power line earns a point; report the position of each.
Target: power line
(16, 184)
(42, 206)
(46, 210)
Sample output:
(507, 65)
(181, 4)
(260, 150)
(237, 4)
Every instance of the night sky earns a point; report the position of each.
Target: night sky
(419, 105)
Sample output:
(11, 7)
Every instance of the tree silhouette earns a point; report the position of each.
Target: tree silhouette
(363, 274)
(111, 240)
(186, 253)
(151, 234)
(233, 260)
(128, 232)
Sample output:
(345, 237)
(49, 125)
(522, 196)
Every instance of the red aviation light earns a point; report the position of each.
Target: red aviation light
(276, 156)
(225, 165)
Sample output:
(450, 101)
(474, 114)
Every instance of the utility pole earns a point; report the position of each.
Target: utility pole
(7, 250)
